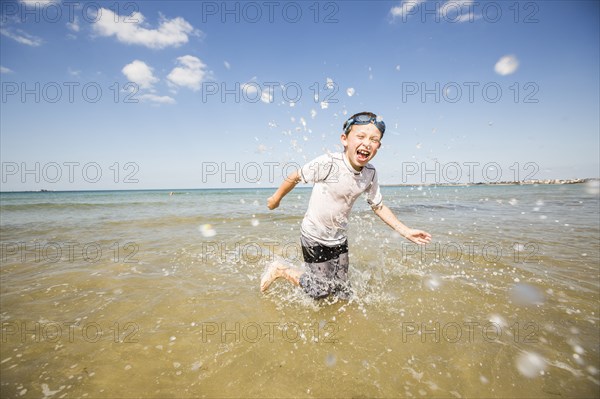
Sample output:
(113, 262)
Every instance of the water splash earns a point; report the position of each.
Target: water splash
(434, 282)
(525, 294)
(207, 231)
(592, 187)
(530, 364)
(330, 360)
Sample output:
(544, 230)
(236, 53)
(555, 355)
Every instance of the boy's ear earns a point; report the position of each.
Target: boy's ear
(344, 139)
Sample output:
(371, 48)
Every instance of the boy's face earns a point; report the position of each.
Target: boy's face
(361, 144)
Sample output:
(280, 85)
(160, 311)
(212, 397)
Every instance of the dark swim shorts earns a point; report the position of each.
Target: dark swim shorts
(326, 269)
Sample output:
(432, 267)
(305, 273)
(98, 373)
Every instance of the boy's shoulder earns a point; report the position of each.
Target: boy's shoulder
(327, 158)
(370, 166)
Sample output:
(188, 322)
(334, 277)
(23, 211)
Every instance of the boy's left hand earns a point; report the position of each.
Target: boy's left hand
(272, 203)
(418, 236)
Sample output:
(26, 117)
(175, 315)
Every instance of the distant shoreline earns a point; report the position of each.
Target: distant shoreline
(182, 190)
(500, 183)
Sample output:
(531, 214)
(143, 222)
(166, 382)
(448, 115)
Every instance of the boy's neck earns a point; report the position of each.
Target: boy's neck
(349, 165)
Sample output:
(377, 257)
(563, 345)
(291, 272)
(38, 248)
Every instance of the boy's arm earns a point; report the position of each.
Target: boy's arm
(288, 185)
(416, 236)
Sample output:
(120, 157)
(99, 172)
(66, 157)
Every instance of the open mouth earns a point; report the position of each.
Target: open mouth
(362, 155)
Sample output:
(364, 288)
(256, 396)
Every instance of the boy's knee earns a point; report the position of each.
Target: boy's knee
(314, 287)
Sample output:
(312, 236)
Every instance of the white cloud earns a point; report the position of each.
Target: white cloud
(190, 73)
(506, 65)
(143, 75)
(74, 25)
(450, 11)
(458, 11)
(250, 89)
(140, 73)
(405, 8)
(4, 69)
(148, 97)
(42, 3)
(21, 37)
(131, 29)
(266, 96)
(73, 72)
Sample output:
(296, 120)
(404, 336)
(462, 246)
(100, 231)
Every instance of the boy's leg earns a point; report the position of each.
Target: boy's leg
(327, 270)
(343, 288)
(276, 270)
(322, 267)
(316, 282)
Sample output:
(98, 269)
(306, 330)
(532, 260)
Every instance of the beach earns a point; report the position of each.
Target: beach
(156, 294)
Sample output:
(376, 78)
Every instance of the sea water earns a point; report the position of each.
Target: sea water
(156, 294)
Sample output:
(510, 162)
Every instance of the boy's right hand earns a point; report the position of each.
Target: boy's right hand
(272, 203)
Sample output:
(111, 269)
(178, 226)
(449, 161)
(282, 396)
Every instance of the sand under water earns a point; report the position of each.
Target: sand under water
(146, 294)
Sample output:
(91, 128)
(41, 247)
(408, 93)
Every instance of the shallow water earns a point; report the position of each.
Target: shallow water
(143, 294)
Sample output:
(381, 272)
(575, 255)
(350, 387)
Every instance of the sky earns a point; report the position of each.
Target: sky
(209, 94)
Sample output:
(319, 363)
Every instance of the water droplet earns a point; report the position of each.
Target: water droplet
(525, 294)
(498, 320)
(350, 91)
(196, 365)
(207, 231)
(530, 364)
(592, 187)
(330, 360)
(434, 282)
(330, 84)
(254, 222)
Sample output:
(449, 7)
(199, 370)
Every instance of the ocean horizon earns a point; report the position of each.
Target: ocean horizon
(274, 187)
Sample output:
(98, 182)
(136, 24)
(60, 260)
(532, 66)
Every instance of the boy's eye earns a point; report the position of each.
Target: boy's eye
(374, 140)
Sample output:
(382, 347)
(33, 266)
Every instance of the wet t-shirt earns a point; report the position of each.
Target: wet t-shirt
(336, 186)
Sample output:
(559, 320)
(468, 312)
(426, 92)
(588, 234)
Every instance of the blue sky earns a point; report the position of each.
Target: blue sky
(234, 94)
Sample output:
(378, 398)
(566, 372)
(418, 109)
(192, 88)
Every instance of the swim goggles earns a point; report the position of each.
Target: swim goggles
(365, 119)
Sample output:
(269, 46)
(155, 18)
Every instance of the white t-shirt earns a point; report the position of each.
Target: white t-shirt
(336, 186)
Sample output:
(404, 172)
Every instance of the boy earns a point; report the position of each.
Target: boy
(338, 179)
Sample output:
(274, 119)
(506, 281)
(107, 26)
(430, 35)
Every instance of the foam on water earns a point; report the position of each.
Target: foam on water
(530, 364)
